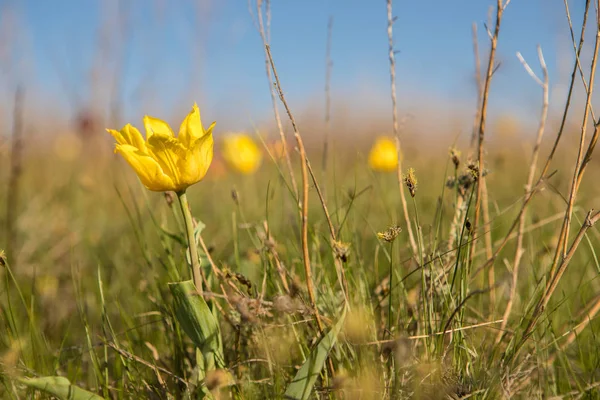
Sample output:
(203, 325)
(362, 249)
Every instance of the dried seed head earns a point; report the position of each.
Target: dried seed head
(390, 234)
(235, 197)
(455, 156)
(410, 179)
(341, 250)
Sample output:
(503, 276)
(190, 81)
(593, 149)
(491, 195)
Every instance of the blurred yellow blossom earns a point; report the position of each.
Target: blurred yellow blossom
(384, 155)
(241, 153)
(165, 162)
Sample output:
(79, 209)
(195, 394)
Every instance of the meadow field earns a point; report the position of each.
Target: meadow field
(307, 257)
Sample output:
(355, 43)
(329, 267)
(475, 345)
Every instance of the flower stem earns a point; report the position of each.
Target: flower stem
(391, 278)
(189, 229)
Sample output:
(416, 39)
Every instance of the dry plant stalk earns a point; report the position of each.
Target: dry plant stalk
(590, 219)
(579, 163)
(578, 48)
(484, 193)
(528, 187)
(392, 59)
(482, 120)
(304, 199)
(265, 36)
(16, 167)
(339, 267)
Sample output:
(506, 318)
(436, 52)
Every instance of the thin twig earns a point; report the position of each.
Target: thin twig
(140, 360)
(561, 248)
(591, 218)
(542, 177)
(484, 193)
(482, 121)
(392, 59)
(528, 187)
(265, 36)
(304, 201)
(445, 332)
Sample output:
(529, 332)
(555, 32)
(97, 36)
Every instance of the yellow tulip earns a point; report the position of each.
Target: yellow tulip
(164, 161)
(241, 153)
(384, 155)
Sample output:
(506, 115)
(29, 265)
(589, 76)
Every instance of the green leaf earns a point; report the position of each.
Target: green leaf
(60, 387)
(199, 323)
(302, 385)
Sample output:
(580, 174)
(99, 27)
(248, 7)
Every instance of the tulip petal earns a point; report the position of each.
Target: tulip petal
(191, 128)
(129, 135)
(168, 152)
(156, 126)
(147, 169)
(194, 166)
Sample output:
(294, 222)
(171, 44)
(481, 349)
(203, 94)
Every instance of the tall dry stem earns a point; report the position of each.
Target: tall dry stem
(561, 249)
(304, 199)
(265, 36)
(482, 121)
(591, 219)
(528, 186)
(578, 48)
(392, 59)
(484, 193)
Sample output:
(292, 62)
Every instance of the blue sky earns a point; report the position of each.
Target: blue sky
(172, 52)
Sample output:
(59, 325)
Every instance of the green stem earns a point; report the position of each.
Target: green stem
(189, 229)
(391, 277)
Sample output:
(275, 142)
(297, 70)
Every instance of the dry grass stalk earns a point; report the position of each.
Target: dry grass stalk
(528, 187)
(270, 245)
(265, 36)
(304, 199)
(392, 58)
(485, 206)
(339, 267)
(559, 134)
(579, 164)
(591, 218)
(482, 120)
(16, 167)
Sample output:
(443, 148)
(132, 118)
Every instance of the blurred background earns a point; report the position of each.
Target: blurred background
(110, 62)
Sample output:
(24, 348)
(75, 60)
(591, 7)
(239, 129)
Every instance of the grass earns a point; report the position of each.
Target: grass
(313, 287)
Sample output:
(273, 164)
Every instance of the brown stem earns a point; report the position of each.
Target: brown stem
(304, 201)
(591, 218)
(392, 59)
(482, 122)
(265, 36)
(542, 176)
(528, 187)
(561, 249)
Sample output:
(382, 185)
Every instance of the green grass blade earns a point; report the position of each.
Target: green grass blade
(60, 387)
(198, 322)
(302, 384)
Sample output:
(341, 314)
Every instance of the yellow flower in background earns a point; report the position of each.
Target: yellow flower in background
(384, 155)
(164, 161)
(241, 153)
